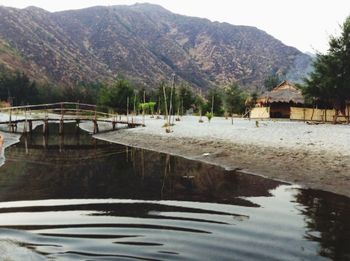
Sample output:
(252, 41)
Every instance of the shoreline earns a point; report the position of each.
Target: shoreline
(321, 169)
(313, 167)
(203, 160)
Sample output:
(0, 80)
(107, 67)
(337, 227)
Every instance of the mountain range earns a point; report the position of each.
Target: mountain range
(144, 42)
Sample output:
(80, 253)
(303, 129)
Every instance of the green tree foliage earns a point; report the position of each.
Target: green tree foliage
(272, 81)
(186, 97)
(116, 95)
(199, 103)
(234, 99)
(48, 93)
(218, 101)
(18, 88)
(330, 80)
(147, 107)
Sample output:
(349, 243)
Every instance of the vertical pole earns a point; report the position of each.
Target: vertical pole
(143, 110)
(77, 109)
(45, 141)
(61, 130)
(182, 107)
(61, 110)
(30, 126)
(127, 109)
(77, 122)
(26, 144)
(25, 121)
(171, 100)
(10, 121)
(159, 107)
(46, 127)
(165, 104)
(95, 122)
(135, 103)
(61, 124)
(96, 130)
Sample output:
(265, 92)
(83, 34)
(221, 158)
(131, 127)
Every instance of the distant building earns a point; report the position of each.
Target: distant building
(277, 103)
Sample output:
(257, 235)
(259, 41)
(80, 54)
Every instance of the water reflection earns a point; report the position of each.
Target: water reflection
(327, 217)
(76, 198)
(68, 167)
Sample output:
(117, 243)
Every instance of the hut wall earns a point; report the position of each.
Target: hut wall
(260, 113)
(309, 114)
(280, 110)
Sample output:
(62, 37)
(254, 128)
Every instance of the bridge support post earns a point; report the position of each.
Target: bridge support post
(61, 127)
(77, 129)
(95, 126)
(30, 124)
(46, 127)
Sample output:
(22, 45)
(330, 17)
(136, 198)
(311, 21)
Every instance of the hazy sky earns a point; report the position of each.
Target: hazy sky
(304, 24)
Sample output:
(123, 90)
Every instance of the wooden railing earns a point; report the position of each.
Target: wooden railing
(61, 112)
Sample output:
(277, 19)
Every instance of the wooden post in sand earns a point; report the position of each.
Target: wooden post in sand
(25, 122)
(10, 122)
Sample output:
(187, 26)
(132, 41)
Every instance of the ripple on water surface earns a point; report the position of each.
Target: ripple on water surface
(75, 198)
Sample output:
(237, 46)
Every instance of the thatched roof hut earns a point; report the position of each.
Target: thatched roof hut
(280, 99)
(283, 93)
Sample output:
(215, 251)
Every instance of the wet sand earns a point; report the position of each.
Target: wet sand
(306, 165)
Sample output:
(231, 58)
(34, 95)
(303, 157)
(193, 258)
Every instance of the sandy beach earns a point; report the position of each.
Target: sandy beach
(314, 156)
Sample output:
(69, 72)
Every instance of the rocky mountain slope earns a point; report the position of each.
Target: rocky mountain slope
(145, 43)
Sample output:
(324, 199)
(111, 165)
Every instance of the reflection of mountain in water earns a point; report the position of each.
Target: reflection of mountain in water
(77, 166)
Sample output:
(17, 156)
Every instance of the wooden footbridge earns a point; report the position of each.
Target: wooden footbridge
(61, 113)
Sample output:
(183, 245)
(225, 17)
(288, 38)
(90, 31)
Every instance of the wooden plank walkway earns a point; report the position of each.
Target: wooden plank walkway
(59, 113)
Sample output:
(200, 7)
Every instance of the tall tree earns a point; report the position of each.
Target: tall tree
(116, 96)
(215, 96)
(186, 97)
(330, 80)
(234, 99)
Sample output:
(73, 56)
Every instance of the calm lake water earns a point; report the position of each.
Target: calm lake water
(77, 198)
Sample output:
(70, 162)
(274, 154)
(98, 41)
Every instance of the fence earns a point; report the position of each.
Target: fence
(309, 114)
(303, 114)
(260, 113)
